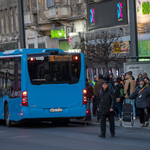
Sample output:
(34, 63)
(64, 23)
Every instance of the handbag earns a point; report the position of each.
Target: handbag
(117, 100)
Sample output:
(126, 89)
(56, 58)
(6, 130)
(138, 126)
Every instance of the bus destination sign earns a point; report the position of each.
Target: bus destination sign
(61, 58)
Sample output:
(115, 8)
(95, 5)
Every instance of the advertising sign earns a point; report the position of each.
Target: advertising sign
(58, 32)
(121, 48)
(143, 11)
(106, 14)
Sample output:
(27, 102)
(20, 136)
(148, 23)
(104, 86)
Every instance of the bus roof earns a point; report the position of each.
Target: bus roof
(28, 51)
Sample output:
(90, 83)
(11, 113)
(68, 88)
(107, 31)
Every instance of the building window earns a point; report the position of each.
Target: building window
(50, 3)
(12, 20)
(6, 19)
(41, 45)
(0, 22)
(31, 45)
(16, 19)
(8, 46)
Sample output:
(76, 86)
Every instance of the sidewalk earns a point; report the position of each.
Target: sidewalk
(117, 123)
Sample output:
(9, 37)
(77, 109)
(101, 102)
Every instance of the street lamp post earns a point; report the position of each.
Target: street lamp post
(133, 30)
(21, 24)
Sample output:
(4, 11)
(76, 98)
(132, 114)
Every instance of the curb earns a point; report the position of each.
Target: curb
(98, 124)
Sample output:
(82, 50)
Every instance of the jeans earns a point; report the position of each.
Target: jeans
(118, 104)
(133, 104)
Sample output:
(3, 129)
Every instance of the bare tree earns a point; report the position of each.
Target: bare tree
(100, 48)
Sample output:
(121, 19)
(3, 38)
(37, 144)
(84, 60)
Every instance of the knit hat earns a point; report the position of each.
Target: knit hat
(141, 79)
(100, 76)
(146, 78)
(105, 81)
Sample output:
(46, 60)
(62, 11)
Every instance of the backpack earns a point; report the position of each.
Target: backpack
(121, 92)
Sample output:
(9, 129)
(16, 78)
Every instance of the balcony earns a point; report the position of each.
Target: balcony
(59, 12)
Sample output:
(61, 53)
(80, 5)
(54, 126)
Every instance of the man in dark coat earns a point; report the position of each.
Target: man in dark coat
(142, 95)
(106, 106)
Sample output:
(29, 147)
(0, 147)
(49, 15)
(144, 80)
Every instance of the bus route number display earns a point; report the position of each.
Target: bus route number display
(61, 58)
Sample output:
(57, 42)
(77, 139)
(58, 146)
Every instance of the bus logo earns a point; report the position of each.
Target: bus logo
(40, 58)
(92, 11)
(119, 10)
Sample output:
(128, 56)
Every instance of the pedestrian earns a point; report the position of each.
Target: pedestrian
(106, 104)
(129, 89)
(142, 95)
(123, 78)
(97, 88)
(145, 74)
(94, 81)
(117, 93)
(89, 96)
(146, 81)
(137, 80)
(111, 80)
(132, 75)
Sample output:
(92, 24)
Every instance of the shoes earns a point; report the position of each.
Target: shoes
(146, 124)
(98, 121)
(142, 124)
(112, 136)
(134, 118)
(102, 136)
(120, 119)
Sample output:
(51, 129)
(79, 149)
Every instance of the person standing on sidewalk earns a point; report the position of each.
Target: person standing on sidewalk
(93, 83)
(129, 89)
(97, 88)
(106, 104)
(89, 96)
(117, 92)
(146, 80)
(142, 95)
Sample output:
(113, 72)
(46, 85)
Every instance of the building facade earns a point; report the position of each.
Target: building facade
(54, 23)
(9, 27)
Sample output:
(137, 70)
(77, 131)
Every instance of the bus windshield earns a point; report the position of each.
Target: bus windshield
(55, 69)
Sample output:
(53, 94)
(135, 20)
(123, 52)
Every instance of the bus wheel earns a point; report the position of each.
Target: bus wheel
(7, 121)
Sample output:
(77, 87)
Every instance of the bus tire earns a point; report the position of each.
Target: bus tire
(7, 120)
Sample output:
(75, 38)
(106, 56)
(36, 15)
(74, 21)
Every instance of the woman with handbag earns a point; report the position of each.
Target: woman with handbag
(118, 87)
(142, 95)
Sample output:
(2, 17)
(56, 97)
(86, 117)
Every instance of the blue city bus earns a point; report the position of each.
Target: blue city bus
(41, 84)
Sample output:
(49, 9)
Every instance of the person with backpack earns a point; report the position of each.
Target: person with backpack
(118, 95)
(106, 104)
(142, 95)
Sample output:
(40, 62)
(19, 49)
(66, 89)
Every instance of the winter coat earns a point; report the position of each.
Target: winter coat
(117, 90)
(142, 98)
(106, 101)
(129, 86)
(89, 90)
(98, 87)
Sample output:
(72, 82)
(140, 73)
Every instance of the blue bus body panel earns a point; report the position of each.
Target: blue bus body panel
(42, 98)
